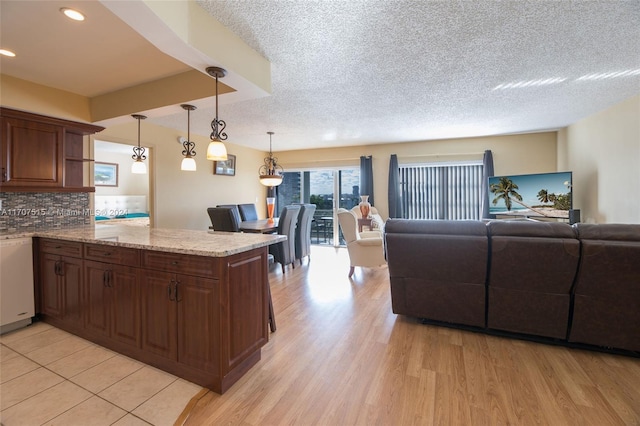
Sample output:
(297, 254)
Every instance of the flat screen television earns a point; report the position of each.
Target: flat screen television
(534, 195)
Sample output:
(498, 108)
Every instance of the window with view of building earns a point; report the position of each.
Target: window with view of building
(322, 188)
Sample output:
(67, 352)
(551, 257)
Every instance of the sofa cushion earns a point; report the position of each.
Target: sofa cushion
(608, 231)
(607, 290)
(529, 228)
(436, 227)
(438, 269)
(532, 268)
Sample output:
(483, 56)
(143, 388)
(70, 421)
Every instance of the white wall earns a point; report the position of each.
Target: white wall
(603, 151)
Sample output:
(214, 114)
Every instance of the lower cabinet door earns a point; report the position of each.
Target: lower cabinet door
(125, 305)
(71, 275)
(96, 296)
(51, 286)
(198, 327)
(157, 296)
(112, 301)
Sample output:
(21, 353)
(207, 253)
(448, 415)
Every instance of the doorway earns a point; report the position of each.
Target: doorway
(130, 192)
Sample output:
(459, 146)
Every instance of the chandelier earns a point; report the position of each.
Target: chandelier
(271, 172)
(216, 150)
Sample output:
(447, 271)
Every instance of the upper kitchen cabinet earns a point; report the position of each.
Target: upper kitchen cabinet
(43, 154)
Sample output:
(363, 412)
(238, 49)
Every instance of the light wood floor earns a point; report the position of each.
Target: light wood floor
(341, 357)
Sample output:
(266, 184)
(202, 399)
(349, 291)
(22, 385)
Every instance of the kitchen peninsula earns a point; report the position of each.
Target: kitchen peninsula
(192, 303)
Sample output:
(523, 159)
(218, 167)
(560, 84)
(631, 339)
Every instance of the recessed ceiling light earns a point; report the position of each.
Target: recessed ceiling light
(6, 52)
(72, 14)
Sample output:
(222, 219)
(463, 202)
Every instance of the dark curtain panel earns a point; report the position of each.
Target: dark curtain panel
(366, 177)
(394, 195)
(487, 163)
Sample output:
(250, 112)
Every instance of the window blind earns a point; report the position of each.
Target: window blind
(452, 192)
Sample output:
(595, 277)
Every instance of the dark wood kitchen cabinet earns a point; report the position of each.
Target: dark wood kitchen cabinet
(60, 275)
(179, 319)
(111, 301)
(201, 318)
(42, 154)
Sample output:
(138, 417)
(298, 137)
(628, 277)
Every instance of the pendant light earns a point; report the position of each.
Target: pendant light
(216, 150)
(188, 163)
(138, 166)
(271, 171)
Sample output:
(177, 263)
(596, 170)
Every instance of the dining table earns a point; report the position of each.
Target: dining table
(260, 226)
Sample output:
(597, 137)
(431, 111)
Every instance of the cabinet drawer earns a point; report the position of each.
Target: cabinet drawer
(112, 254)
(199, 266)
(63, 248)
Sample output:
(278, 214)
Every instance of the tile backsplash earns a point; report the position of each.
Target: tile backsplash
(37, 211)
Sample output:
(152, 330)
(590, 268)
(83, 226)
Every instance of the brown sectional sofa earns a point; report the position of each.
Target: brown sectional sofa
(574, 285)
(606, 308)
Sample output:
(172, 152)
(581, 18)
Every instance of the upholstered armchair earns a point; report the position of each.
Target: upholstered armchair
(365, 248)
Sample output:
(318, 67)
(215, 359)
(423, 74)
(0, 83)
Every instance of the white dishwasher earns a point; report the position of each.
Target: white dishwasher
(16, 284)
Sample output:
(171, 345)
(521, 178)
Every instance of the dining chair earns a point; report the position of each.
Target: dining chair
(234, 208)
(248, 211)
(223, 219)
(303, 231)
(284, 252)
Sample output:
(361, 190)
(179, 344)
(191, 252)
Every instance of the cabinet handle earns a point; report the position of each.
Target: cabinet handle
(169, 291)
(175, 262)
(56, 267)
(178, 299)
(4, 175)
(107, 253)
(60, 267)
(107, 278)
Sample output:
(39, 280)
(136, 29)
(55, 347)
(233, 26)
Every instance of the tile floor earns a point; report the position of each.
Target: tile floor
(50, 377)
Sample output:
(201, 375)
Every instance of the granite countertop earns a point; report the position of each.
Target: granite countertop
(17, 234)
(199, 243)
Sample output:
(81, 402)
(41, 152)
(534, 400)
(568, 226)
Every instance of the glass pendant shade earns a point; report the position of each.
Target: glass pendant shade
(216, 151)
(271, 180)
(188, 164)
(138, 167)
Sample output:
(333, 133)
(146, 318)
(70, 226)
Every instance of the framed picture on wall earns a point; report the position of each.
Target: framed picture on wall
(227, 167)
(105, 174)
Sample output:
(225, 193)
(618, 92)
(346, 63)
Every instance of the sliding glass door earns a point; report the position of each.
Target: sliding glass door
(328, 190)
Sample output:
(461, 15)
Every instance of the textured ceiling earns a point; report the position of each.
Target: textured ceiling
(364, 71)
(370, 71)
